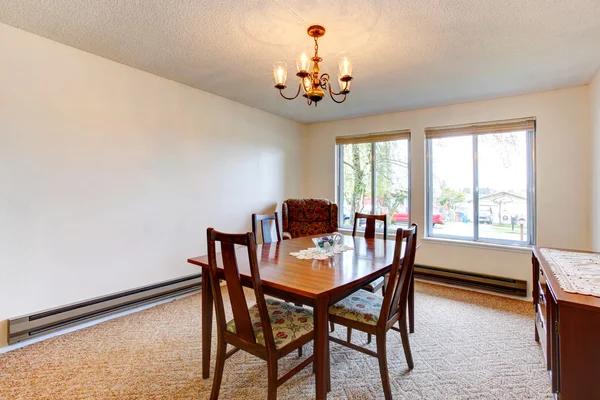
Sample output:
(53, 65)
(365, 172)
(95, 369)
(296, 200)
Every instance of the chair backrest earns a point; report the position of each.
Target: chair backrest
(306, 217)
(370, 228)
(239, 307)
(396, 293)
(265, 222)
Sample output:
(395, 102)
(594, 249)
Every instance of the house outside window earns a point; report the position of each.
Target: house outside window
(481, 182)
(374, 177)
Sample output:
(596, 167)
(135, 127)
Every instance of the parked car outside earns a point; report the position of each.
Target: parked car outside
(403, 217)
(486, 217)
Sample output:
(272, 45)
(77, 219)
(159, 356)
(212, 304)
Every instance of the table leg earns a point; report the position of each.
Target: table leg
(207, 316)
(411, 304)
(321, 311)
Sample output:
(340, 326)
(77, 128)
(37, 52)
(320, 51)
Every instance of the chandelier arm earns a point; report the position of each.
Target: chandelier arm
(324, 80)
(332, 93)
(326, 84)
(291, 98)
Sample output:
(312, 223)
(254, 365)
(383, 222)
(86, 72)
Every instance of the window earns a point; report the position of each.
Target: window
(373, 177)
(480, 182)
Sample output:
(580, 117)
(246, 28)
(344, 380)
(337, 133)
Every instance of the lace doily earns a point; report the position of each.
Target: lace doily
(575, 272)
(317, 254)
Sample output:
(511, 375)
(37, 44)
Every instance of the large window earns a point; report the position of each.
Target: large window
(480, 182)
(373, 177)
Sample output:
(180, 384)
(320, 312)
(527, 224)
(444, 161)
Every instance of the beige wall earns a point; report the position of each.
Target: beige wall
(563, 171)
(110, 176)
(595, 148)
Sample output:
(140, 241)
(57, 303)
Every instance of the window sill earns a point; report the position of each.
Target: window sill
(361, 232)
(479, 245)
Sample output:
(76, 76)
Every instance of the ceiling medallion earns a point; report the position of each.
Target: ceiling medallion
(311, 83)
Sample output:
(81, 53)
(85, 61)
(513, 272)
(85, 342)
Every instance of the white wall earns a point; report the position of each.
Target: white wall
(109, 176)
(595, 148)
(563, 171)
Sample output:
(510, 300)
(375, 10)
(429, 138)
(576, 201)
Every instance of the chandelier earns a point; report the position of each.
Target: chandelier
(311, 84)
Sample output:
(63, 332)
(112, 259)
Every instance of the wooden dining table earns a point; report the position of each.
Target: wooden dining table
(316, 283)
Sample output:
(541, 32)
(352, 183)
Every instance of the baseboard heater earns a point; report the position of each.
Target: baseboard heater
(30, 326)
(492, 283)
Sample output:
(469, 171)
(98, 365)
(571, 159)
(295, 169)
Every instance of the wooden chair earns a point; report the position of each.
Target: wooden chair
(265, 222)
(269, 330)
(371, 313)
(379, 283)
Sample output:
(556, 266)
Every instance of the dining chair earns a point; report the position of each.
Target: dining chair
(265, 226)
(269, 330)
(372, 313)
(378, 283)
(265, 220)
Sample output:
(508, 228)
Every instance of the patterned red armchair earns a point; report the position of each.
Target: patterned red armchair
(306, 217)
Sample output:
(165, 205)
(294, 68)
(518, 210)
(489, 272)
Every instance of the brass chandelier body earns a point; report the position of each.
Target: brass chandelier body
(312, 85)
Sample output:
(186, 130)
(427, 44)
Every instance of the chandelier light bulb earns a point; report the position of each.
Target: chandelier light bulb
(303, 62)
(345, 65)
(280, 74)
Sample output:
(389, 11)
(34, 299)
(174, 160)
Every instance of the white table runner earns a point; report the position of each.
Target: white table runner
(575, 272)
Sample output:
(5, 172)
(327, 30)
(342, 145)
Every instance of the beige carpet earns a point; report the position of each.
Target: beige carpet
(466, 346)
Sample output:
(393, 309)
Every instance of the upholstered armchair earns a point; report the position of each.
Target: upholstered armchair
(306, 217)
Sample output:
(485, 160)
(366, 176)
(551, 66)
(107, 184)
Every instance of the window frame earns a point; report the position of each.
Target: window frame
(340, 181)
(531, 195)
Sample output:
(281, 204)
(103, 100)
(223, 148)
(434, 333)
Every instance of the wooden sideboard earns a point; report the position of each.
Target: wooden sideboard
(567, 326)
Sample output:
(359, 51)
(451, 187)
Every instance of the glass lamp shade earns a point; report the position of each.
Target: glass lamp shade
(303, 62)
(280, 74)
(344, 65)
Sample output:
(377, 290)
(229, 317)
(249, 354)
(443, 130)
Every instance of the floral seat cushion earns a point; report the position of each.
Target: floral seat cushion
(376, 283)
(289, 322)
(361, 306)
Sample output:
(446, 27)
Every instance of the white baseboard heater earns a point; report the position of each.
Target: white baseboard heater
(492, 283)
(30, 326)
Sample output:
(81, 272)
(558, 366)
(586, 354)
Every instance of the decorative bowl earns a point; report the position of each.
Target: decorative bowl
(324, 243)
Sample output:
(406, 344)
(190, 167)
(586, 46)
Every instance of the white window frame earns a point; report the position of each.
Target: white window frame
(531, 197)
(340, 182)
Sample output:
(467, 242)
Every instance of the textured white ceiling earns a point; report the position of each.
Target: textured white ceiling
(407, 54)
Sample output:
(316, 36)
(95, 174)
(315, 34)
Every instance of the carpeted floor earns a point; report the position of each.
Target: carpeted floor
(466, 346)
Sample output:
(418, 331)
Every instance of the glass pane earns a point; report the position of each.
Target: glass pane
(502, 164)
(452, 187)
(391, 182)
(356, 181)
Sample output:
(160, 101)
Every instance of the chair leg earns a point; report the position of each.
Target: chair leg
(383, 367)
(368, 338)
(272, 378)
(405, 343)
(349, 335)
(332, 325)
(411, 305)
(220, 365)
(300, 351)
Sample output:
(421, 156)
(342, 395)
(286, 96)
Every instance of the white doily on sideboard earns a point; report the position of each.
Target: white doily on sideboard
(575, 272)
(318, 254)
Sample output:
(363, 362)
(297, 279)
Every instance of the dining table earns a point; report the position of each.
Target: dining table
(315, 283)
